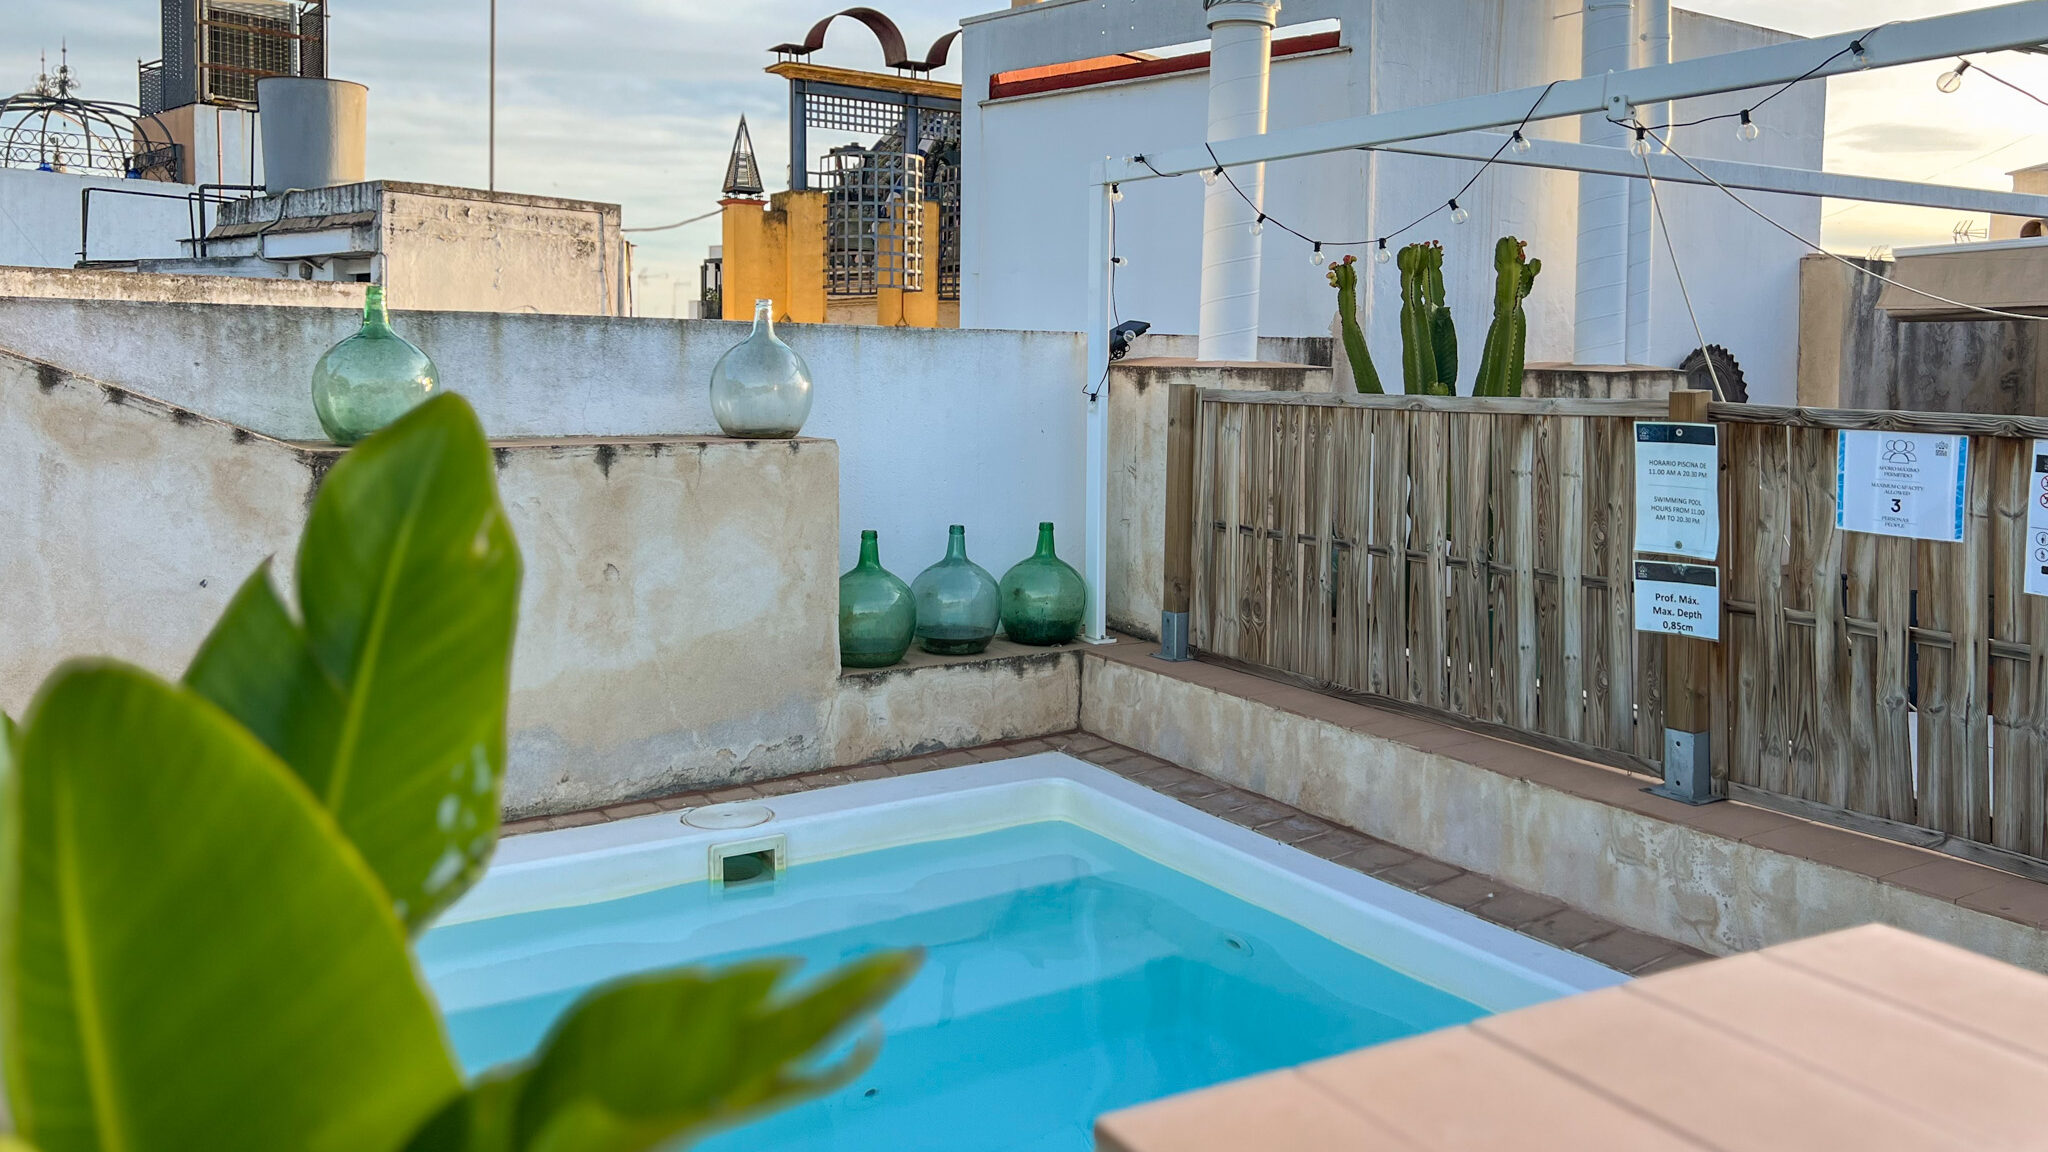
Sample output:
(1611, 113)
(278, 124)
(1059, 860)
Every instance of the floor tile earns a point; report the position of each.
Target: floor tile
(1418, 873)
(1464, 891)
(1515, 908)
(1626, 950)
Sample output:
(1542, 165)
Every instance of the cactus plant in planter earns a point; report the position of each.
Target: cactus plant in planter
(1500, 362)
(1429, 340)
(1344, 278)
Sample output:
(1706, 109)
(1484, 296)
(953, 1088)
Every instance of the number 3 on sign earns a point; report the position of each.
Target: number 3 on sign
(1895, 505)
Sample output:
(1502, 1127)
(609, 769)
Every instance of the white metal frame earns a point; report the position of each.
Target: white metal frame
(1616, 94)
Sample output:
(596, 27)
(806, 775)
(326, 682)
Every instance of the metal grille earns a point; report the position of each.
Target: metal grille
(856, 115)
(943, 192)
(874, 220)
(245, 40)
(149, 84)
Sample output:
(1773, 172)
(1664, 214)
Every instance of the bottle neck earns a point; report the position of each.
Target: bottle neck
(1045, 540)
(870, 551)
(375, 313)
(956, 543)
(764, 317)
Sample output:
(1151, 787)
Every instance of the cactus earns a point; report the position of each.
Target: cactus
(1429, 341)
(1500, 362)
(1344, 278)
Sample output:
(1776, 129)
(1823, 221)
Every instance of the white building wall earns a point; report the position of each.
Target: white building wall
(1026, 159)
(39, 214)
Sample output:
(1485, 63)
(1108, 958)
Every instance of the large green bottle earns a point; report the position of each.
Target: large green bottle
(1043, 596)
(371, 378)
(877, 613)
(957, 605)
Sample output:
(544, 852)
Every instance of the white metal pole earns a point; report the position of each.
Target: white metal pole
(1656, 49)
(1095, 377)
(1600, 312)
(1240, 67)
(491, 147)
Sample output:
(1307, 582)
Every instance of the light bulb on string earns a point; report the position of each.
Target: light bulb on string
(1640, 146)
(1382, 256)
(1259, 225)
(1459, 215)
(1116, 194)
(1518, 143)
(1858, 55)
(1747, 130)
(1210, 176)
(1316, 257)
(1120, 261)
(1952, 79)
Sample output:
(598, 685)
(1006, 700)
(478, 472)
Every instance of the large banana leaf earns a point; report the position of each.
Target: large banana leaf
(670, 1056)
(389, 702)
(192, 956)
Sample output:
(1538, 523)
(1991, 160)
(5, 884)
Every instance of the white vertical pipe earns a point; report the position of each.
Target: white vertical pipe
(1656, 49)
(1240, 66)
(1095, 517)
(1600, 319)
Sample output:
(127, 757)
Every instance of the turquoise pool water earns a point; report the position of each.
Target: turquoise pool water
(1065, 976)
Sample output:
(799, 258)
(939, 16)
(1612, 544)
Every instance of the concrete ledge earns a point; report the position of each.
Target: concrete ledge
(932, 703)
(1724, 878)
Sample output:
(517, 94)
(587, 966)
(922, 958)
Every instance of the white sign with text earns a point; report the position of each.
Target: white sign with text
(1901, 483)
(1678, 599)
(2035, 562)
(1678, 489)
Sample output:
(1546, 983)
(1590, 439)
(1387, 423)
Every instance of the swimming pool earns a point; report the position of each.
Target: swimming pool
(1090, 945)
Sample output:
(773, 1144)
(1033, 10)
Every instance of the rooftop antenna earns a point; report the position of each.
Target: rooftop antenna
(742, 174)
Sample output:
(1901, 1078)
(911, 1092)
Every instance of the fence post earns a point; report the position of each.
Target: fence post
(1183, 403)
(1688, 678)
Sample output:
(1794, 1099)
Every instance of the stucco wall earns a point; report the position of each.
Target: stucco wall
(447, 250)
(40, 211)
(676, 623)
(935, 426)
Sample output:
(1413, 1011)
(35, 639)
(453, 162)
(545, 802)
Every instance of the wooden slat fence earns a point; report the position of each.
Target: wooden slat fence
(1473, 557)
(1467, 556)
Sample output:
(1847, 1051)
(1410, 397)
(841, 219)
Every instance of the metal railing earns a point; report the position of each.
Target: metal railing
(874, 220)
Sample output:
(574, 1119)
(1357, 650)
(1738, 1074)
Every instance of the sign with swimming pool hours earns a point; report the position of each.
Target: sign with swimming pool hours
(1678, 489)
(1901, 483)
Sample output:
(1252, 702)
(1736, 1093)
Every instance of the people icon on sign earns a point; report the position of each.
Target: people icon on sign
(1901, 452)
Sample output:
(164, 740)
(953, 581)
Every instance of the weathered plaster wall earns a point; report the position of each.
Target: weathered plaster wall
(1680, 882)
(445, 249)
(935, 426)
(929, 703)
(677, 619)
(1138, 391)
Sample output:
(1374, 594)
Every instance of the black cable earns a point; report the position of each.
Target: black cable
(1855, 47)
(1982, 71)
(1114, 262)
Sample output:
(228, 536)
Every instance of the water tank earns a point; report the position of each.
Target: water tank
(313, 132)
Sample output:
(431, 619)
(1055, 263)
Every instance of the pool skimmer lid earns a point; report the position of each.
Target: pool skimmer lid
(737, 814)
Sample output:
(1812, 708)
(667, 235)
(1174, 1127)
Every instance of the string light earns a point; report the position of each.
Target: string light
(1210, 176)
(1316, 257)
(1382, 255)
(1519, 143)
(1640, 146)
(1116, 194)
(1858, 55)
(1747, 130)
(1458, 215)
(1952, 79)
(1259, 225)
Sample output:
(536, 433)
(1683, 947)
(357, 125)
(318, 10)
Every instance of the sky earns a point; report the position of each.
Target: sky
(635, 101)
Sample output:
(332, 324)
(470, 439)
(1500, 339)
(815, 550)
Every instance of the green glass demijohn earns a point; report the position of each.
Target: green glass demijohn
(371, 378)
(877, 613)
(1043, 596)
(760, 388)
(957, 608)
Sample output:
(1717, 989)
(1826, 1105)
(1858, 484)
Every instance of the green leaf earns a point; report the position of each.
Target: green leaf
(650, 1060)
(389, 702)
(192, 956)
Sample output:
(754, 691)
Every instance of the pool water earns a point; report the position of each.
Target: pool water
(1064, 976)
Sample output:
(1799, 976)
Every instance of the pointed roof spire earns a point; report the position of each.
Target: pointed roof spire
(742, 174)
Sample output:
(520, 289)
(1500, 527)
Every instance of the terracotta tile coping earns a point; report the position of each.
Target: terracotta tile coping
(1933, 874)
(1870, 1038)
(1545, 919)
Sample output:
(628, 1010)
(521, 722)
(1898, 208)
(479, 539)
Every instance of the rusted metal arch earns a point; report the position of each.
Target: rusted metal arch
(894, 53)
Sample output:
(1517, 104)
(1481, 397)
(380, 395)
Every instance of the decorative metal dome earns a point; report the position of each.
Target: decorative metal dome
(51, 129)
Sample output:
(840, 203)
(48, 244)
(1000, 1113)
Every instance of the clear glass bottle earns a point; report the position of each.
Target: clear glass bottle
(760, 388)
(371, 378)
(1043, 597)
(957, 605)
(877, 613)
